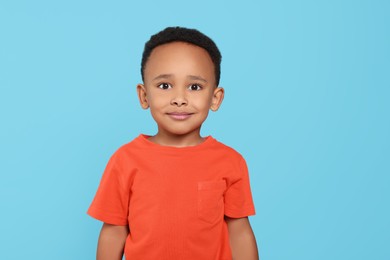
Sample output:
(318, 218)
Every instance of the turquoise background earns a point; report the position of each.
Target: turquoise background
(307, 104)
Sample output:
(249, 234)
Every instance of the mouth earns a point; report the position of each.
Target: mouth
(179, 115)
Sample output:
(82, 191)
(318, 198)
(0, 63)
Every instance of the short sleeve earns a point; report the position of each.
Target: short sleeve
(111, 201)
(238, 196)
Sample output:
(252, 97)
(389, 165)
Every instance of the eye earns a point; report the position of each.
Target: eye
(194, 87)
(164, 86)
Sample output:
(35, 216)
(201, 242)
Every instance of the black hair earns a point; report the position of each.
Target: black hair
(181, 34)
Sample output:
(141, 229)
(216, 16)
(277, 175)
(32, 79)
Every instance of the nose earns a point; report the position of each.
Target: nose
(179, 99)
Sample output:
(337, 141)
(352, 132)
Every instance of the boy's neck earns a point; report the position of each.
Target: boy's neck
(185, 140)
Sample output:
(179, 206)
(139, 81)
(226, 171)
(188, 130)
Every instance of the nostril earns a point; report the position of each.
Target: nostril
(179, 102)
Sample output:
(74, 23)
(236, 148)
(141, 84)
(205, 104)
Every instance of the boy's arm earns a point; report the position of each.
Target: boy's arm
(242, 239)
(111, 242)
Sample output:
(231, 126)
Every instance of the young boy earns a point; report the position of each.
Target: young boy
(176, 195)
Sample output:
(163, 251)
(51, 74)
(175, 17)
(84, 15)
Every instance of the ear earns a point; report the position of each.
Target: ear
(218, 95)
(141, 92)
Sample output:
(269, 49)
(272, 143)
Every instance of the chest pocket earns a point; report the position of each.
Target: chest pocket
(210, 200)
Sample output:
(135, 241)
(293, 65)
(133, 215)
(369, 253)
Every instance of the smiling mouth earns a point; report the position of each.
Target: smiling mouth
(179, 116)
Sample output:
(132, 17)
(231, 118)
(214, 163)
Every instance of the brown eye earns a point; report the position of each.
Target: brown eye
(194, 87)
(164, 86)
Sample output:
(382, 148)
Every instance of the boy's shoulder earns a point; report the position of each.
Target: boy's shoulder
(228, 150)
(134, 146)
(125, 150)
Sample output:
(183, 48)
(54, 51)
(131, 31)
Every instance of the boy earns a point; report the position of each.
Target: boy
(176, 195)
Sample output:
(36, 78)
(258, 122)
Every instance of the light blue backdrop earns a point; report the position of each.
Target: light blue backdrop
(307, 104)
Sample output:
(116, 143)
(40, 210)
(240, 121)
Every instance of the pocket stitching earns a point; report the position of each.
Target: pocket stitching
(210, 210)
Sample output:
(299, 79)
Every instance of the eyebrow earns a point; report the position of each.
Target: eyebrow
(163, 76)
(168, 76)
(193, 77)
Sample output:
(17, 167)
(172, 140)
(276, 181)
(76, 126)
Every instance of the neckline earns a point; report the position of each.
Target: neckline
(144, 139)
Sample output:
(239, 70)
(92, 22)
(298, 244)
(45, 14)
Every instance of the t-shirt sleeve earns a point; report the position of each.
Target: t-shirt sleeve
(111, 201)
(238, 196)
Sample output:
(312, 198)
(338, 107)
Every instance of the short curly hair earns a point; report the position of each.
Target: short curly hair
(181, 34)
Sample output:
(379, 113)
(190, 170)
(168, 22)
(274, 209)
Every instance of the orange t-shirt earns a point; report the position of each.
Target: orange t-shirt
(174, 199)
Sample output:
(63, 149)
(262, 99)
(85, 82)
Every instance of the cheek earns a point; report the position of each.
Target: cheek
(202, 102)
(157, 101)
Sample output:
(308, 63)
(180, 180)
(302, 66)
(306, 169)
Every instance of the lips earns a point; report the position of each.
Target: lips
(179, 115)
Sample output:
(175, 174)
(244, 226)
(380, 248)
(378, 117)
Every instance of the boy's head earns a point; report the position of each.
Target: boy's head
(180, 70)
(180, 34)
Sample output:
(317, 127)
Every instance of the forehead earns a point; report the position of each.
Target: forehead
(179, 58)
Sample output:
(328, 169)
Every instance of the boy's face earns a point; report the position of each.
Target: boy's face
(179, 88)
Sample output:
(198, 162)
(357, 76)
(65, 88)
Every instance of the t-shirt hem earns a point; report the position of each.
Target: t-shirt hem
(240, 213)
(96, 214)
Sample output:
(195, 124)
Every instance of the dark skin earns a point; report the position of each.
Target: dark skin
(179, 78)
(242, 239)
(111, 242)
